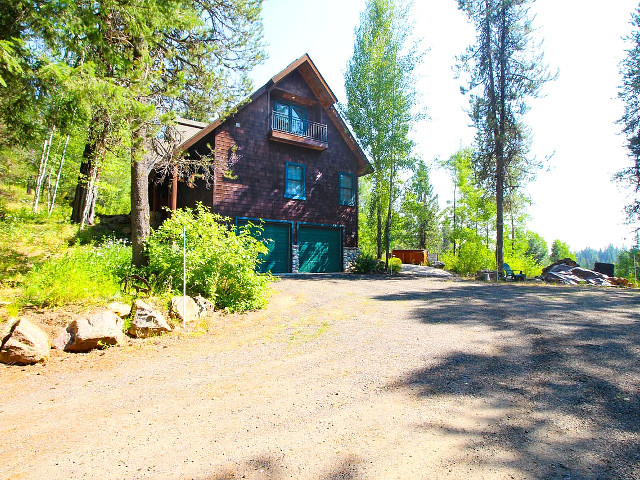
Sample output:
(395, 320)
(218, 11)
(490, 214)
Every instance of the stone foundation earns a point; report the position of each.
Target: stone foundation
(349, 256)
(295, 258)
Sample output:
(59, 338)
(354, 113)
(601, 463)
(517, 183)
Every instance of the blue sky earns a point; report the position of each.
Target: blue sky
(574, 122)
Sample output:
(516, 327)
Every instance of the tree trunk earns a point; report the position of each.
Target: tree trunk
(42, 170)
(84, 201)
(500, 215)
(455, 187)
(387, 239)
(57, 184)
(83, 206)
(140, 214)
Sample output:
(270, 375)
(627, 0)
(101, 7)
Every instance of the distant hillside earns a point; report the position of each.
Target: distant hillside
(587, 257)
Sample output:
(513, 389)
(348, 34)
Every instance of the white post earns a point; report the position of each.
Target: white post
(184, 276)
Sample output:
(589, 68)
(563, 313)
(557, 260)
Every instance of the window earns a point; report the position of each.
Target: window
(290, 118)
(347, 189)
(294, 181)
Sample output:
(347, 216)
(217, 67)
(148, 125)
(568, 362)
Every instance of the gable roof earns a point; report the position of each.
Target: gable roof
(321, 90)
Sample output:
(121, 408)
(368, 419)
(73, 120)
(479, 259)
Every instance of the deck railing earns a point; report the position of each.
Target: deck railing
(296, 126)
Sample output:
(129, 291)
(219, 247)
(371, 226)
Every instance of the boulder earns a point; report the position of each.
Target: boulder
(205, 307)
(98, 330)
(120, 309)
(146, 321)
(184, 309)
(25, 344)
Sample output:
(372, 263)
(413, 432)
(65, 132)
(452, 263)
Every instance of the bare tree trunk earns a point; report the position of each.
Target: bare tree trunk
(42, 170)
(57, 184)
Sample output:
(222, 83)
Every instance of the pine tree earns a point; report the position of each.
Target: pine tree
(505, 71)
(629, 92)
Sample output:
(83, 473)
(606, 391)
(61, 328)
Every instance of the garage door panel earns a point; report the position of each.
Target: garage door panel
(277, 237)
(320, 249)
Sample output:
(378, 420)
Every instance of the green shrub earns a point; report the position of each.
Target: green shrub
(469, 258)
(221, 265)
(395, 264)
(89, 274)
(367, 263)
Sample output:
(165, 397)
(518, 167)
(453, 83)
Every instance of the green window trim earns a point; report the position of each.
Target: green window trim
(294, 181)
(347, 191)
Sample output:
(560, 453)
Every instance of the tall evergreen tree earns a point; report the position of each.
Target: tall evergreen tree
(505, 71)
(629, 92)
(381, 98)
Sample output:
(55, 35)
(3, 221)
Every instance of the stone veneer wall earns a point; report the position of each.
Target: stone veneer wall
(349, 257)
(295, 259)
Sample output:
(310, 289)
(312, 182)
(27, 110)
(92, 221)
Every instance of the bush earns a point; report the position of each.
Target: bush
(367, 263)
(395, 264)
(88, 274)
(221, 265)
(470, 258)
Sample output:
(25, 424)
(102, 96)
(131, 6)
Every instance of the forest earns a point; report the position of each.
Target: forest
(90, 91)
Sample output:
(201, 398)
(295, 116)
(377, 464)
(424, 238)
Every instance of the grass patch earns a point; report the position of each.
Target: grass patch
(42, 264)
(88, 274)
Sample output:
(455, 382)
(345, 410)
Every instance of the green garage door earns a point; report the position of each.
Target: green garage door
(320, 249)
(278, 236)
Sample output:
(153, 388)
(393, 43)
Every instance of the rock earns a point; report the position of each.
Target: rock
(205, 307)
(436, 264)
(120, 309)
(147, 321)
(25, 344)
(187, 305)
(98, 330)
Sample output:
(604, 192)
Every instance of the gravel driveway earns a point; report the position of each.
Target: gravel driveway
(349, 377)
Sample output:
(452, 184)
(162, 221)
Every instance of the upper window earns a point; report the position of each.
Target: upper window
(347, 189)
(294, 181)
(290, 118)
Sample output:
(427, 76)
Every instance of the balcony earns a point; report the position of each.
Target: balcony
(296, 131)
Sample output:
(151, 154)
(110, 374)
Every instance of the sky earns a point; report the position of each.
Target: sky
(573, 123)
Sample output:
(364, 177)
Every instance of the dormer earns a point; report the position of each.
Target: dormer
(296, 120)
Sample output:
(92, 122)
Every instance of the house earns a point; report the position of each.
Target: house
(285, 159)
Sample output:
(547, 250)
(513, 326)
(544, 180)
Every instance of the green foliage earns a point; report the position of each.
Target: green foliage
(367, 263)
(505, 70)
(589, 256)
(381, 101)
(560, 250)
(395, 264)
(84, 274)
(471, 217)
(420, 212)
(537, 248)
(625, 265)
(221, 264)
(470, 257)
(629, 92)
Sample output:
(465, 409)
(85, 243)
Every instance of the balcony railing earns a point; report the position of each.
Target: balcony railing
(296, 126)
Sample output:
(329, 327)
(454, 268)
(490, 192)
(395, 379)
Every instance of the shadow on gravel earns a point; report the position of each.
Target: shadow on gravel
(266, 467)
(570, 393)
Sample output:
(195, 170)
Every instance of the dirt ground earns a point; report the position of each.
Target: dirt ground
(348, 377)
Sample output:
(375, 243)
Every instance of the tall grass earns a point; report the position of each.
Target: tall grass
(88, 274)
